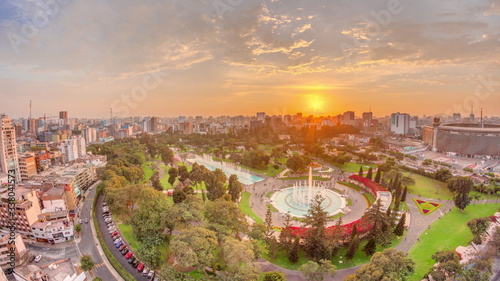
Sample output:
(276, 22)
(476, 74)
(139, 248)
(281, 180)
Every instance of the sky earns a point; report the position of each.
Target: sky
(232, 57)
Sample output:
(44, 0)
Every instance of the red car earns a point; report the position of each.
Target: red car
(140, 267)
(114, 234)
(128, 255)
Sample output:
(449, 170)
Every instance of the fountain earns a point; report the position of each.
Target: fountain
(296, 199)
(228, 168)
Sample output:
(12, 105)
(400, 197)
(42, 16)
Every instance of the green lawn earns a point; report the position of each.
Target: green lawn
(341, 263)
(354, 167)
(429, 188)
(268, 195)
(351, 185)
(245, 208)
(305, 178)
(148, 172)
(126, 230)
(446, 234)
(270, 171)
(369, 197)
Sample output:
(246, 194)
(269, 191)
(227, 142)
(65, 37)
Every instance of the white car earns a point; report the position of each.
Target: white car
(38, 258)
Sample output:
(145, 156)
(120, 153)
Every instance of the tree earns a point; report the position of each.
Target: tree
(370, 247)
(369, 175)
(257, 231)
(400, 227)
(460, 185)
(195, 247)
(274, 276)
(387, 265)
(149, 253)
(173, 173)
(381, 224)
(448, 266)
(353, 247)
(147, 217)
(354, 231)
(442, 175)
(238, 257)
(316, 243)
(97, 279)
(155, 180)
(167, 272)
(360, 173)
(293, 254)
(78, 228)
(286, 235)
(403, 195)
(167, 155)
(315, 271)
(377, 176)
(225, 217)
(215, 183)
(298, 163)
(478, 226)
(268, 223)
(235, 188)
(86, 263)
(183, 173)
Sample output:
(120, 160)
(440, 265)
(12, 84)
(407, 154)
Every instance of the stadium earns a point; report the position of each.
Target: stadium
(464, 139)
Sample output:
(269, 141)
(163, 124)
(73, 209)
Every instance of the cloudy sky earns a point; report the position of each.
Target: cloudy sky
(231, 57)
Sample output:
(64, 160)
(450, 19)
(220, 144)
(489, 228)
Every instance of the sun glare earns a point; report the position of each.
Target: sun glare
(316, 103)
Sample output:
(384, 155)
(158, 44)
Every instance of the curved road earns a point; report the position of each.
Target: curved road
(88, 242)
(111, 246)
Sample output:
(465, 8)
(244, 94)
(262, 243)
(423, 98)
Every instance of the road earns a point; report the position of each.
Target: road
(109, 242)
(88, 242)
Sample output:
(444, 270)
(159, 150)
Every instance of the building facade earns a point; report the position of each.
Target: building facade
(27, 210)
(8, 147)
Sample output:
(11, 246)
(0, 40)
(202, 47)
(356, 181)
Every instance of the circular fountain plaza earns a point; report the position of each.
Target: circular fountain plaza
(296, 199)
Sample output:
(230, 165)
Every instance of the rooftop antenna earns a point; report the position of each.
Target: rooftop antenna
(30, 109)
(482, 125)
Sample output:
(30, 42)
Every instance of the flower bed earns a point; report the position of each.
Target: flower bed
(363, 226)
(373, 186)
(426, 207)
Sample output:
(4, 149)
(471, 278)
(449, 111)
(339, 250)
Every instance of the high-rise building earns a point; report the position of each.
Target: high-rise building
(90, 135)
(63, 119)
(457, 117)
(27, 166)
(73, 148)
(348, 118)
(367, 119)
(261, 116)
(400, 123)
(27, 208)
(8, 147)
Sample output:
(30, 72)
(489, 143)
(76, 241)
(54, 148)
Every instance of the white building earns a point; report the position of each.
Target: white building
(8, 147)
(73, 148)
(400, 123)
(53, 231)
(90, 135)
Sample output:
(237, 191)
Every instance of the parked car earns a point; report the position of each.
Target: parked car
(80, 221)
(38, 258)
(114, 234)
(119, 244)
(140, 267)
(151, 274)
(134, 263)
(132, 260)
(122, 247)
(155, 278)
(124, 251)
(128, 255)
(86, 220)
(145, 272)
(116, 237)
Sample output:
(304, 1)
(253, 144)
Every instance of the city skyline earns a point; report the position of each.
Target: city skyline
(218, 58)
